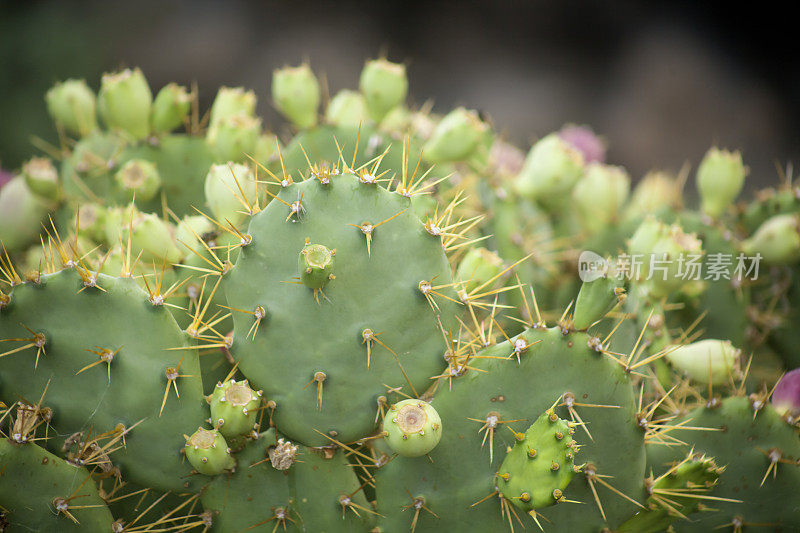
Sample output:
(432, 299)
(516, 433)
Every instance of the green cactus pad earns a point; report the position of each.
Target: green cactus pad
(105, 361)
(499, 394)
(38, 489)
(277, 485)
(745, 445)
(311, 356)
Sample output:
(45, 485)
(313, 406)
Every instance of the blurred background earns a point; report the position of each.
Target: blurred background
(661, 82)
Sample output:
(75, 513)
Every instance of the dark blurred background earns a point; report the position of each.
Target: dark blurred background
(660, 82)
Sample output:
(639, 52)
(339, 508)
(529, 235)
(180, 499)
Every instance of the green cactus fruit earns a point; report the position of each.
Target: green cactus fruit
(151, 235)
(456, 137)
(170, 108)
(656, 192)
(91, 219)
(234, 406)
(675, 495)
(551, 170)
(191, 227)
(707, 361)
(646, 236)
(139, 178)
(600, 195)
(21, 213)
(228, 189)
(207, 451)
(384, 85)
(412, 427)
(720, 178)
(777, 240)
(595, 299)
(110, 361)
(231, 101)
(315, 265)
(42, 178)
(759, 452)
(347, 108)
(234, 137)
(267, 149)
(283, 485)
(41, 492)
(397, 121)
(327, 350)
(540, 465)
(478, 268)
(297, 95)
(124, 102)
(71, 105)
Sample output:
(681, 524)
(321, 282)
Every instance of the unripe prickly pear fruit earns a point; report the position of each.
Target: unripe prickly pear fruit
(21, 213)
(152, 235)
(347, 108)
(208, 452)
(384, 85)
(234, 137)
(397, 120)
(537, 470)
(140, 178)
(777, 240)
(72, 105)
(233, 407)
(646, 236)
(583, 139)
(412, 427)
(707, 361)
(720, 178)
(224, 187)
(315, 264)
(657, 190)
(786, 397)
(170, 108)
(231, 101)
(266, 149)
(124, 102)
(551, 169)
(192, 227)
(42, 177)
(91, 219)
(600, 194)
(296, 93)
(456, 137)
(667, 255)
(595, 299)
(478, 266)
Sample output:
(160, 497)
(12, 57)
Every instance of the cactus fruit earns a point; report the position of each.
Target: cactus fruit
(412, 427)
(365, 327)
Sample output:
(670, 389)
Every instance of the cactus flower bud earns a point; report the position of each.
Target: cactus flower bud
(224, 187)
(208, 452)
(231, 101)
(124, 102)
(456, 137)
(71, 105)
(478, 266)
(707, 361)
(170, 108)
(21, 213)
(296, 93)
(720, 178)
(786, 397)
(412, 427)
(777, 240)
(234, 406)
(384, 85)
(655, 191)
(600, 194)
(42, 177)
(234, 137)
(347, 108)
(583, 139)
(140, 178)
(550, 171)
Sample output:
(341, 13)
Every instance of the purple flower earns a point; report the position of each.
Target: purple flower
(583, 139)
(786, 398)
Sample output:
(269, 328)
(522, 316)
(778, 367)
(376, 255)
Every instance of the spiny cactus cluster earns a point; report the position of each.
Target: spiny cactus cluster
(383, 319)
